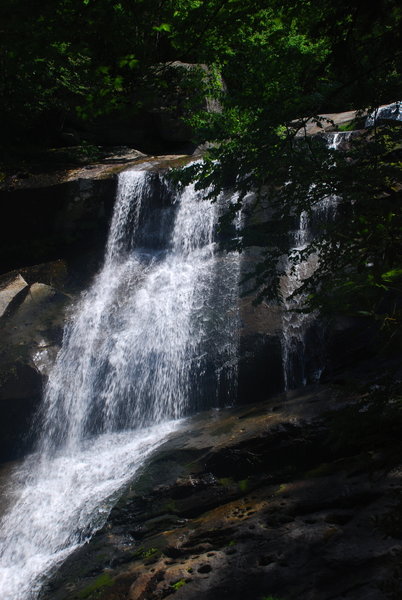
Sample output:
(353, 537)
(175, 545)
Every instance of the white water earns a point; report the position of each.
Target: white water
(295, 323)
(57, 503)
(391, 112)
(135, 356)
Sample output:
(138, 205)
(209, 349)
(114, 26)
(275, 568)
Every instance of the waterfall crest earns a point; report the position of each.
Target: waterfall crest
(128, 352)
(136, 354)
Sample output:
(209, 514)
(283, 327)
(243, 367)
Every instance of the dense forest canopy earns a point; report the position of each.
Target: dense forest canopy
(71, 61)
(279, 61)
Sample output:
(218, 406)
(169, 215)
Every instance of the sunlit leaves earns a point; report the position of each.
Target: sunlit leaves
(129, 61)
(391, 275)
(162, 27)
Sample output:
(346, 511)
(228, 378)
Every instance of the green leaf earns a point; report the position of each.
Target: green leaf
(162, 27)
(391, 275)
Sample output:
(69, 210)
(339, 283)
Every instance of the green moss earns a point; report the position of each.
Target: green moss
(176, 586)
(138, 553)
(243, 485)
(101, 582)
(281, 489)
(150, 552)
(170, 506)
(145, 553)
(226, 481)
(350, 126)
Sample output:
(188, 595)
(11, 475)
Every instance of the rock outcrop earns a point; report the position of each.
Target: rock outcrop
(9, 292)
(30, 335)
(174, 92)
(274, 501)
(328, 122)
(65, 216)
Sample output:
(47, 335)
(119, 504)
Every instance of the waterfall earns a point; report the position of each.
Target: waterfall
(153, 339)
(390, 112)
(295, 323)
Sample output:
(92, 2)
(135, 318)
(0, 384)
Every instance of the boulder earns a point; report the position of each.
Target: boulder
(30, 337)
(20, 394)
(325, 122)
(260, 499)
(175, 98)
(36, 322)
(9, 291)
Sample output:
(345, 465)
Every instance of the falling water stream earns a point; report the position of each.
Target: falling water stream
(154, 339)
(136, 357)
(295, 324)
(390, 112)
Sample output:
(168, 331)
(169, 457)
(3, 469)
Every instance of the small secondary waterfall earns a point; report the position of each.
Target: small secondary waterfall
(295, 324)
(390, 112)
(154, 338)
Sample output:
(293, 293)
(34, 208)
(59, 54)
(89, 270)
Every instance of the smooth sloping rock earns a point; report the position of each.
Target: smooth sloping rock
(328, 122)
(30, 337)
(38, 293)
(10, 291)
(39, 317)
(252, 503)
(20, 393)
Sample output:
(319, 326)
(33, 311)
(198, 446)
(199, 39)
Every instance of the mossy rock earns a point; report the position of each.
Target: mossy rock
(95, 588)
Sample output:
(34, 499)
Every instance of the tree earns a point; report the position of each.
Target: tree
(74, 58)
(284, 65)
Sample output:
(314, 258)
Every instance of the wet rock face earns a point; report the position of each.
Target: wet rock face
(250, 503)
(66, 214)
(30, 336)
(59, 215)
(260, 367)
(67, 220)
(9, 292)
(20, 394)
(260, 356)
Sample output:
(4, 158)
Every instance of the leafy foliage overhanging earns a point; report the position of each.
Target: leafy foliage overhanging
(282, 63)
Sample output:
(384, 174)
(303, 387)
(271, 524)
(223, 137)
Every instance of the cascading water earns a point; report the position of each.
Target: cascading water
(295, 323)
(136, 355)
(390, 112)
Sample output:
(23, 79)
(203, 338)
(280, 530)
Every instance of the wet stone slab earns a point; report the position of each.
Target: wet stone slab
(250, 503)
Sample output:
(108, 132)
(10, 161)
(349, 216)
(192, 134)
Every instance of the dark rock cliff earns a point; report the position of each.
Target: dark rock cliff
(62, 222)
